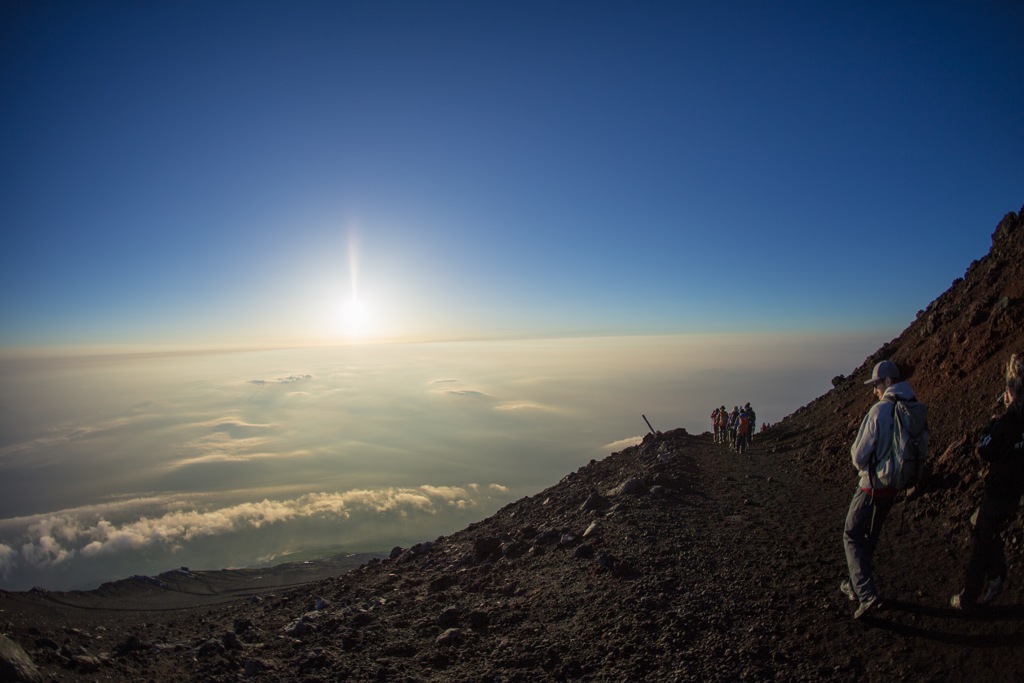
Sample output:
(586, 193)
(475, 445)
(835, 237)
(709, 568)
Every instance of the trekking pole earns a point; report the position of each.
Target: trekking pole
(649, 425)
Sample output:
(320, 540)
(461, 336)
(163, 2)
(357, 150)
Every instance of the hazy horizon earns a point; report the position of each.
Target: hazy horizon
(114, 466)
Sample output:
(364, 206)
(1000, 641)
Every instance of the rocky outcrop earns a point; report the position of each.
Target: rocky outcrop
(15, 664)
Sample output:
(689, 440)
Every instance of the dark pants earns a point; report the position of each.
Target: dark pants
(864, 522)
(988, 559)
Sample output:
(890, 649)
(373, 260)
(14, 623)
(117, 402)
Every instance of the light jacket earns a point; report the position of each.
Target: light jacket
(875, 434)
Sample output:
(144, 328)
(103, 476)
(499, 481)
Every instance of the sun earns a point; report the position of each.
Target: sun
(355, 318)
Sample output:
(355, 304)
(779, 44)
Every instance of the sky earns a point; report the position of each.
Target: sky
(277, 277)
(247, 174)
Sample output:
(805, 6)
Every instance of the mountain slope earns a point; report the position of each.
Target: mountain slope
(955, 353)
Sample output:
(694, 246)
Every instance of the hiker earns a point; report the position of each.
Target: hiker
(753, 420)
(723, 424)
(871, 503)
(743, 428)
(1002, 447)
(734, 423)
(716, 424)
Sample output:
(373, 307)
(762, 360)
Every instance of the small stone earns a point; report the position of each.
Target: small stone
(208, 649)
(631, 487)
(594, 502)
(450, 637)
(299, 627)
(584, 552)
(230, 641)
(449, 617)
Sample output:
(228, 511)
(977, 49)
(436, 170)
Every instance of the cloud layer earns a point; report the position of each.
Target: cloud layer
(220, 457)
(47, 541)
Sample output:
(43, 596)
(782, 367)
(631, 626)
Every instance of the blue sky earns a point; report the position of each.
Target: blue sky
(234, 173)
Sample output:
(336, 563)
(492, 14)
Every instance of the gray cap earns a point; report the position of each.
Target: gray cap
(884, 370)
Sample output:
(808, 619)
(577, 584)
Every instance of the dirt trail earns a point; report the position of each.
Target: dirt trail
(917, 637)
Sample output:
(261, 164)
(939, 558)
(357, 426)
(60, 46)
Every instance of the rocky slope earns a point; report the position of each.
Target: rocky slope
(675, 560)
(955, 353)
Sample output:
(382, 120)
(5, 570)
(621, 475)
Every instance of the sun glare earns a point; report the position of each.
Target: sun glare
(355, 318)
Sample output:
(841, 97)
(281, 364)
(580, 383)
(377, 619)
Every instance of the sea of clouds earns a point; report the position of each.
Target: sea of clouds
(135, 464)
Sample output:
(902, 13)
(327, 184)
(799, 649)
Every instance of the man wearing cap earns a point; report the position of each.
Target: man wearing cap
(871, 503)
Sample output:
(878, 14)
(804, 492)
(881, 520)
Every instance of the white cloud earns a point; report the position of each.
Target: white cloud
(45, 551)
(526, 406)
(291, 379)
(64, 436)
(54, 539)
(621, 444)
(7, 558)
(231, 439)
(443, 384)
(233, 425)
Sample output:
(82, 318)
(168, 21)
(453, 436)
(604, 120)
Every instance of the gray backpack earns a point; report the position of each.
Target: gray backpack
(903, 465)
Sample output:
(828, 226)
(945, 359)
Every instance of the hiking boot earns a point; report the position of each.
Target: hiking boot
(872, 604)
(847, 589)
(958, 602)
(995, 587)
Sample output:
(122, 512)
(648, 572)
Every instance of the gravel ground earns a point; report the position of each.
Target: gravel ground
(699, 564)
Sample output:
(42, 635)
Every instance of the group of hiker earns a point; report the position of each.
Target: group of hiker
(734, 428)
(888, 454)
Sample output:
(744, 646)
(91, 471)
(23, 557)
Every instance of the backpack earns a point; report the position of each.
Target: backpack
(901, 467)
(744, 424)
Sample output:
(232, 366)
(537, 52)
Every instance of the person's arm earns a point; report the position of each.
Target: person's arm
(997, 439)
(867, 438)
